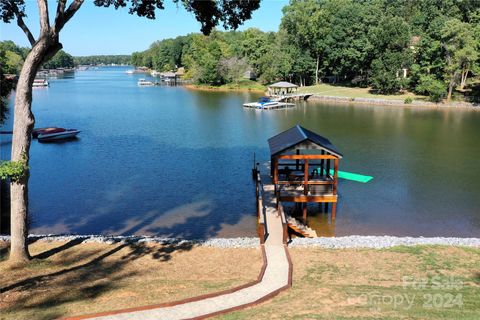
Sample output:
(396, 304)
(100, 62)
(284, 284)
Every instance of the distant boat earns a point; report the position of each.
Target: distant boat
(56, 134)
(264, 103)
(39, 83)
(143, 82)
(130, 71)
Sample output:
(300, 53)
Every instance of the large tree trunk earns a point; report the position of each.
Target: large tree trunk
(463, 80)
(23, 124)
(316, 70)
(451, 86)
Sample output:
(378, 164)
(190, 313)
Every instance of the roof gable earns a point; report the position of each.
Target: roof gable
(296, 136)
(282, 84)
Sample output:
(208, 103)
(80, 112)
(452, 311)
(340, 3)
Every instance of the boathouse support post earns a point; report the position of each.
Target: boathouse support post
(335, 184)
(274, 163)
(271, 167)
(305, 173)
(328, 168)
(304, 212)
(322, 165)
(335, 176)
(297, 162)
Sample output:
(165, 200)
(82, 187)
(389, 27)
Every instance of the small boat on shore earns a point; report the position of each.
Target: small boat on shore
(54, 134)
(40, 83)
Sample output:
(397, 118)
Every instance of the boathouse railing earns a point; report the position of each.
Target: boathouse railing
(284, 222)
(261, 228)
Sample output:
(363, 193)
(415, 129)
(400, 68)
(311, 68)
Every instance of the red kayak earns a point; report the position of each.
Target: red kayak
(54, 134)
(39, 131)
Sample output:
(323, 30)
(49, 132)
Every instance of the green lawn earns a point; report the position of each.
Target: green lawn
(340, 91)
(424, 282)
(242, 85)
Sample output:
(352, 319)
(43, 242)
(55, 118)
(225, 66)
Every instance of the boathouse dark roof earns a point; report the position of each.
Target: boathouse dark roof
(298, 135)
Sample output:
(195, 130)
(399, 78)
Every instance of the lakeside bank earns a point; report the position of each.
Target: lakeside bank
(354, 241)
(224, 88)
(343, 95)
(244, 85)
(393, 102)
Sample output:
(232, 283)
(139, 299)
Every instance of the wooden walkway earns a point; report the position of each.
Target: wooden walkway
(288, 222)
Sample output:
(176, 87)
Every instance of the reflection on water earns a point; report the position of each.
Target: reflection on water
(322, 224)
(318, 218)
(167, 161)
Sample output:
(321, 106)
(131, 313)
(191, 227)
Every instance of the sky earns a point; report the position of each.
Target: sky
(96, 30)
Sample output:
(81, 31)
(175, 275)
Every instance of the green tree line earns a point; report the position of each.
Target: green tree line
(12, 57)
(427, 46)
(102, 60)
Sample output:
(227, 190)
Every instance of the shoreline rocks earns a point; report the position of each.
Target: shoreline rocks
(373, 242)
(393, 102)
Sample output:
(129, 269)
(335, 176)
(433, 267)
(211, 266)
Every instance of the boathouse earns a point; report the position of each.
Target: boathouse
(281, 88)
(304, 168)
(168, 76)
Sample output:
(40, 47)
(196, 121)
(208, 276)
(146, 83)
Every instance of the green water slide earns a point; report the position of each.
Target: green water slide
(352, 176)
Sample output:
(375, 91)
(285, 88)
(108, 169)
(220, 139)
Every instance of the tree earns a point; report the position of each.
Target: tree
(13, 57)
(308, 24)
(232, 69)
(60, 60)
(461, 52)
(432, 87)
(102, 59)
(390, 40)
(6, 86)
(47, 44)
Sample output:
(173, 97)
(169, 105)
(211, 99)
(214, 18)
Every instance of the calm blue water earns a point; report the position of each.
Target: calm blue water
(172, 162)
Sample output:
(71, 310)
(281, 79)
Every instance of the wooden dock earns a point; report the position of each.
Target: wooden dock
(292, 97)
(303, 168)
(269, 209)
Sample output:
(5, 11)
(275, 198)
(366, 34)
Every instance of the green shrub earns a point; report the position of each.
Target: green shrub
(13, 170)
(435, 89)
(408, 100)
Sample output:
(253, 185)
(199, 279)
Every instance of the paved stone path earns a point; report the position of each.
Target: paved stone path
(275, 278)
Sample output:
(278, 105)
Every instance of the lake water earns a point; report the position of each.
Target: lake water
(168, 161)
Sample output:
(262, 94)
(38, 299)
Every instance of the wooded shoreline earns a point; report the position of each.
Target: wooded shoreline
(220, 89)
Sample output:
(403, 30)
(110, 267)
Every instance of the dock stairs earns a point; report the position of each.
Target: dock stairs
(300, 228)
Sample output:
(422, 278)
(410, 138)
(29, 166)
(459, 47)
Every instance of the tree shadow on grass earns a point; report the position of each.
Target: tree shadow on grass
(47, 295)
(65, 246)
(4, 252)
(476, 277)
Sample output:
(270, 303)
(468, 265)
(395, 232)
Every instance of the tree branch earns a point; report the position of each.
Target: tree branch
(67, 15)
(44, 19)
(60, 10)
(23, 26)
